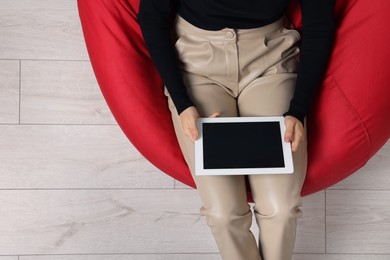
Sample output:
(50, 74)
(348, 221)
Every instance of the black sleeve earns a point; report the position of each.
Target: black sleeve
(154, 20)
(318, 29)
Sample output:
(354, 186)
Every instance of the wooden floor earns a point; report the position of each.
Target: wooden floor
(73, 187)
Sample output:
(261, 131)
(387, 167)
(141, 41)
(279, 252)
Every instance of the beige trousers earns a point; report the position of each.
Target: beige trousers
(243, 72)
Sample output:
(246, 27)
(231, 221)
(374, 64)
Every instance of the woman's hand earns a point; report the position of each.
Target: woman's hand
(294, 131)
(188, 120)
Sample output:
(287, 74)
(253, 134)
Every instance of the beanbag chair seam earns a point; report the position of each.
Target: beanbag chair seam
(353, 109)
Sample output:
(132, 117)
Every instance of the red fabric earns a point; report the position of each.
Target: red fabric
(348, 119)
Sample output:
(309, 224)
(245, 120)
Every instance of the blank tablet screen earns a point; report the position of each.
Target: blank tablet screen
(242, 145)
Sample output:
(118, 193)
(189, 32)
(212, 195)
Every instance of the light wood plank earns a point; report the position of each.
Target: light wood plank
(44, 29)
(340, 257)
(373, 175)
(9, 91)
(358, 221)
(73, 156)
(127, 257)
(62, 92)
(201, 257)
(311, 227)
(102, 222)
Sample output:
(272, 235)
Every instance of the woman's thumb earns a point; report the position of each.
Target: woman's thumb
(194, 133)
(194, 130)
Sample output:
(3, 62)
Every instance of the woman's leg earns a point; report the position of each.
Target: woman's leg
(224, 199)
(277, 207)
(276, 196)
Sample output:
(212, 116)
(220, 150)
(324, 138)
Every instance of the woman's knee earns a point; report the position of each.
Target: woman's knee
(226, 220)
(281, 210)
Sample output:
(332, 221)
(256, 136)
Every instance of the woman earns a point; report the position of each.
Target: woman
(240, 58)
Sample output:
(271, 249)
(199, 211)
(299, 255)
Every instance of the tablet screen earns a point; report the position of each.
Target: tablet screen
(242, 145)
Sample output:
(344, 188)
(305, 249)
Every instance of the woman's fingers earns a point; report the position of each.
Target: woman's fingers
(297, 138)
(294, 132)
(289, 134)
(189, 119)
(190, 128)
(193, 132)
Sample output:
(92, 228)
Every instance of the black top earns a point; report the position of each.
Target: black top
(318, 28)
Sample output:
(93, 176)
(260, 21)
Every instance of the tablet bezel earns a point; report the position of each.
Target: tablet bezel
(287, 152)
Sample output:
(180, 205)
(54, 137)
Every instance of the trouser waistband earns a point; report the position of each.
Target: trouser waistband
(183, 26)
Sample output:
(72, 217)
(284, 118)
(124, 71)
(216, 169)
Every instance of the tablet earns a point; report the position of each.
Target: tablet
(242, 145)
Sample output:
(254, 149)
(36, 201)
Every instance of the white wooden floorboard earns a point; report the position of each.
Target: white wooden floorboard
(102, 221)
(117, 221)
(374, 175)
(199, 257)
(358, 221)
(61, 92)
(127, 257)
(44, 29)
(311, 227)
(73, 157)
(9, 91)
(341, 257)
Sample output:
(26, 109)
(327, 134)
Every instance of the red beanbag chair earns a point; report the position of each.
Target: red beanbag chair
(348, 120)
